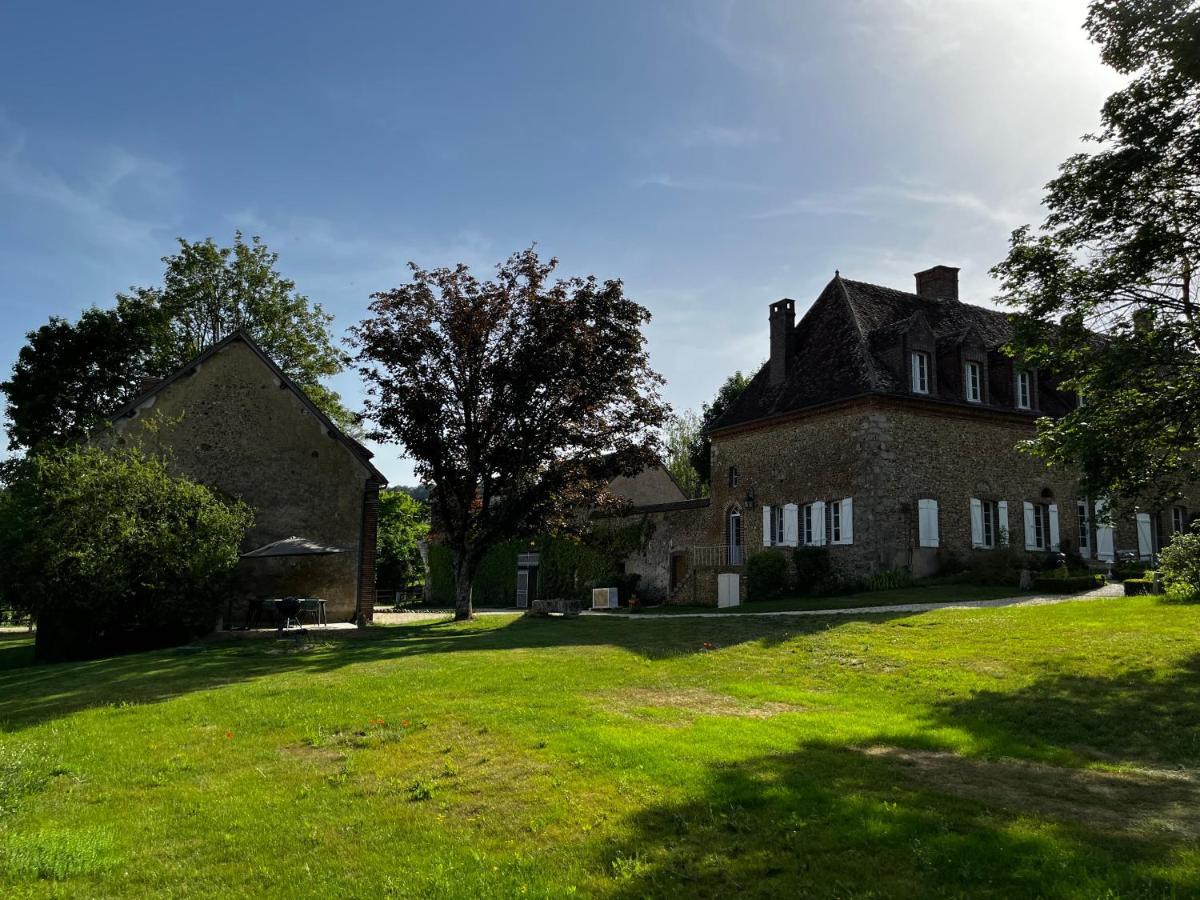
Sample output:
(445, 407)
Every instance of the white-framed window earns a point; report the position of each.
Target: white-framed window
(777, 525)
(983, 524)
(973, 382)
(1041, 526)
(920, 372)
(810, 530)
(1085, 527)
(927, 523)
(1178, 519)
(835, 523)
(1024, 391)
(733, 476)
(841, 521)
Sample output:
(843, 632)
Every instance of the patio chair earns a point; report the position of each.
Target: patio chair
(315, 607)
(289, 612)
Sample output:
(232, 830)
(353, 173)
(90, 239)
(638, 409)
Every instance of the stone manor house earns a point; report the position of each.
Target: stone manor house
(884, 427)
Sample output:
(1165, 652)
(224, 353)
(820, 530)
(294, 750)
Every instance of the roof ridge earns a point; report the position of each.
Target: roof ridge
(356, 449)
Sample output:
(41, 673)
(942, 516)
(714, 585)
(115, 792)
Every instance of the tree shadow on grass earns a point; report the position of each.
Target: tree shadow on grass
(1144, 716)
(830, 820)
(31, 693)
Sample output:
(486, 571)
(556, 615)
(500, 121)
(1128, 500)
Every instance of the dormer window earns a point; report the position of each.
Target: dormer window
(1024, 395)
(920, 373)
(973, 382)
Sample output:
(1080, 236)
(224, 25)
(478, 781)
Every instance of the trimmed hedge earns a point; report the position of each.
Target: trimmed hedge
(568, 568)
(766, 575)
(1135, 587)
(1069, 585)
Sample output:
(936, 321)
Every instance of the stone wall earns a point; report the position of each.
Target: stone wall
(887, 455)
(233, 426)
(673, 528)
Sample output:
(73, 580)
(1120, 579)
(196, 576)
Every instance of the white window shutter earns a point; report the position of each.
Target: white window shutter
(915, 362)
(927, 522)
(1145, 536)
(848, 520)
(1055, 538)
(791, 524)
(1104, 533)
(819, 523)
(976, 522)
(766, 526)
(1030, 527)
(1002, 522)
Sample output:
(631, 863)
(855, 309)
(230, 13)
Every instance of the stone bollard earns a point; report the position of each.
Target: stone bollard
(1026, 580)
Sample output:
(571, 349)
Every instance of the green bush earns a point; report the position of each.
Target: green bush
(1130, 570)
(111, 553)
(889, 581)
(1066, 583)
(766, 575)
(1135, 587)
(1179, 561)
(814, 569)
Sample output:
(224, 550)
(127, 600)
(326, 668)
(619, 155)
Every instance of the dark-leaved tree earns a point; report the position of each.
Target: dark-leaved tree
(1107, 291)
(71, 375)
(517, 397)
(701, 446)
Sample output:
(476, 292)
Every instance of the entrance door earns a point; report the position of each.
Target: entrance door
(734, 537)
(678, 569)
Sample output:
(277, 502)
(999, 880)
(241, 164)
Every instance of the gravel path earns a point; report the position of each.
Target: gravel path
(1109, 590)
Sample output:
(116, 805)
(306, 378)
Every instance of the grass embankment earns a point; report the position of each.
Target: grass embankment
(1020, 751)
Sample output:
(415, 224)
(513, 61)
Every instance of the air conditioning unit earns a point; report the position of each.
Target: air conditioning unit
(604, 598)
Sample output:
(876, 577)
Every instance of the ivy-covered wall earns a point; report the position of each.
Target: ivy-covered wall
(569, 568)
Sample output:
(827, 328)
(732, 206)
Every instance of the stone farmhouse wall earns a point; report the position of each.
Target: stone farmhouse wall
(673, 529)
(234, 427)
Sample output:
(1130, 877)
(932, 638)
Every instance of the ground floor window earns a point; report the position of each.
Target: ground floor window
(1178, 519)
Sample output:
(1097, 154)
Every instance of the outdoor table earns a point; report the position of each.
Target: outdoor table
(313, 605)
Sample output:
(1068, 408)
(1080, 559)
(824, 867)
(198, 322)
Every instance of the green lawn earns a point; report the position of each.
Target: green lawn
(1027, 751)
(921, 593)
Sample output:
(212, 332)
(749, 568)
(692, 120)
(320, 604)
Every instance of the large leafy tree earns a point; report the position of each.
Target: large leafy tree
(109, 552)
(403, 522)
(1107, 290)
(680, 435)
(70, 375)
(700, 450)
(519, 398)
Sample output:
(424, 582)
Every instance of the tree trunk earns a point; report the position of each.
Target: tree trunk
(462, 591)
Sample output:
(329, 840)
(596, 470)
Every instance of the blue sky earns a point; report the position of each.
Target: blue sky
(715, 155)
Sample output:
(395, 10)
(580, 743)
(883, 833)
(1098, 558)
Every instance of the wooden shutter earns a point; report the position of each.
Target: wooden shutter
(1055, 538)
(848, 520)
(1104, 533)
(791, 524)
(819, 522)
(766, 526)
(1145, 536)
(927, 522)
(1030, 527)
(976, 522)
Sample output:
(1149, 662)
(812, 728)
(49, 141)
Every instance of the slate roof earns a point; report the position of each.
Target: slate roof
(840, 343)
(358, 450)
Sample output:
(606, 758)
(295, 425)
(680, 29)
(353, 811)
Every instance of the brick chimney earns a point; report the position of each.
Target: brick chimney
(938, 283)
(783, 327)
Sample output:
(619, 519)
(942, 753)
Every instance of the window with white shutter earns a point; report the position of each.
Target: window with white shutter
(973, 382)
(841, 521)
(927, 523)
(1024, 391)
(1104, 533)
(976, 522)
(1052, 515)
(1032, 527)
(1002, 523)
(819, 522)
(1085, 528)
(768, 522)
(920, 372)
(791, 525)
